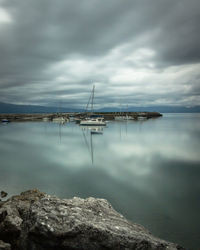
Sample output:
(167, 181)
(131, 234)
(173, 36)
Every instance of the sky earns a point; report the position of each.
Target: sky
(135, 52)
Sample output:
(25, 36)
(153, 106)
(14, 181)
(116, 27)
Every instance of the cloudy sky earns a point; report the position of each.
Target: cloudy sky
(136, 52)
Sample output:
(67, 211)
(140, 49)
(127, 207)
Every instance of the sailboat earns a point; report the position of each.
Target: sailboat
(59, 118)
(121, 117)
(92, 120)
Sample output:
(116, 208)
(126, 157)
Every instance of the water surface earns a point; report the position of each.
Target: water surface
(148, 170)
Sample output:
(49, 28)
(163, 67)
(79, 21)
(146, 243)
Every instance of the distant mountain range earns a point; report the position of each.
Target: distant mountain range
(25, 109)
(13, 108)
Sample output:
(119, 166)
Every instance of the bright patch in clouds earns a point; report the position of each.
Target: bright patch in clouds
(5, 17)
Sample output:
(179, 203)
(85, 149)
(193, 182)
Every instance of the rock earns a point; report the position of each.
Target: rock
(4, 246)
(3, 194)
(37, 221)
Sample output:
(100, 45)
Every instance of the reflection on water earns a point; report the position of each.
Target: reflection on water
(88, 133)
(149, 170)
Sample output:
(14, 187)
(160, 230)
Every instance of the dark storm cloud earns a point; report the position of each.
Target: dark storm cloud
(49, 30)
(42, 34)
(179, 39)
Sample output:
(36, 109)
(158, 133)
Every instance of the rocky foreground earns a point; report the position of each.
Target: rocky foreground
(37, 221)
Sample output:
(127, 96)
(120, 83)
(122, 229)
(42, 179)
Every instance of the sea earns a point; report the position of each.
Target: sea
(149, 170)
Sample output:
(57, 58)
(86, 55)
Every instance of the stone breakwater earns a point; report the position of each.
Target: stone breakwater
(51, 116)
(37, 221)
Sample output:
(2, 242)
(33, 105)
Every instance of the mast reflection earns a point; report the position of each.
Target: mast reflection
(90, 131)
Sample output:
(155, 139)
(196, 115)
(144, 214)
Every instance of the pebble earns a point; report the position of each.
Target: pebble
(3, 194)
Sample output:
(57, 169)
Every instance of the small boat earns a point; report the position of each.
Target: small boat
(59, 119)
(71, 118)
(5, 120)
(45, 119)
(123, 118)
(142, 116)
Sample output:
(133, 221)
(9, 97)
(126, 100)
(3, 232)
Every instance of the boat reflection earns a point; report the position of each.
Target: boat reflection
(93, 129)
(59, 124)
(88, 132)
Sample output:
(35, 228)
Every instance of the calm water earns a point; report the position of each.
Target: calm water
(149, 171)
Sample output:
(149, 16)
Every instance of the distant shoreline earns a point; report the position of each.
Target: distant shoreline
(8, 108)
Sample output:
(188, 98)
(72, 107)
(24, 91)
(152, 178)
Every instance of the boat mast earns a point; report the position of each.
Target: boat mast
(92, 102)
(87, 106)
(120, 113)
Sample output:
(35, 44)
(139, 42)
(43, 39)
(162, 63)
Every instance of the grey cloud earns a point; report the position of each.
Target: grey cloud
(178, 41)
(45, 32)
(49, 30)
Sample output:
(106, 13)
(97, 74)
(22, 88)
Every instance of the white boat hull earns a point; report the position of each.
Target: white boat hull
(59, 119)
(98, 121)
(92, 123)
(123, 118)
